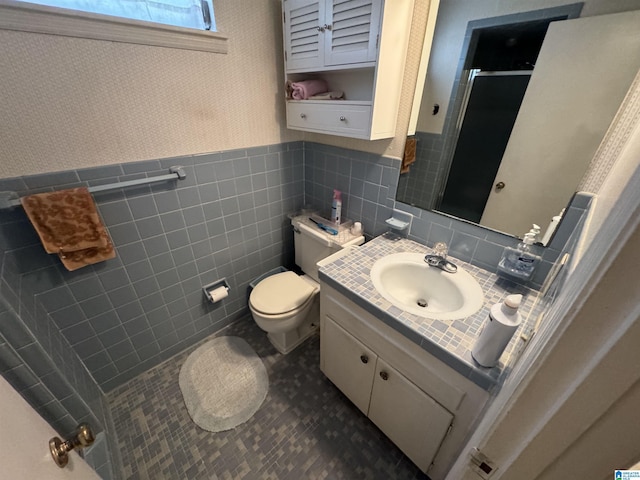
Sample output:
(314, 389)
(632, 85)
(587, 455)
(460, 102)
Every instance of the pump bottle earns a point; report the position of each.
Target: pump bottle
(502, 323)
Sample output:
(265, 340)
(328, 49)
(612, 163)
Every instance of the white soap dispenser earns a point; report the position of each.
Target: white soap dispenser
(502, 323)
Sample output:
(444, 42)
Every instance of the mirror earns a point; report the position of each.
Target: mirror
(509, 145)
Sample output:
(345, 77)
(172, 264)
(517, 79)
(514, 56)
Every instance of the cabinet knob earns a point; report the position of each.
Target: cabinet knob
(320, 29)
(343, 118)
(303, 115)
(384, 375)
(500, 185)
(327, 27)
(364, 359)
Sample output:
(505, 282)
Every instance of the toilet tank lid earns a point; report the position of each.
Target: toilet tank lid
(280, 293)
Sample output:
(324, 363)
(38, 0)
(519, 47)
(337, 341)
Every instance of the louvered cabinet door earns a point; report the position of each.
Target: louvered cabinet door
(351, 34)
(304, 22)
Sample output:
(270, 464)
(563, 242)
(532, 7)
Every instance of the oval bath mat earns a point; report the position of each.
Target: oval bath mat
(223, 383)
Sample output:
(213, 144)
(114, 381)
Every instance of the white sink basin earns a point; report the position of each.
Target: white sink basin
(405, 280)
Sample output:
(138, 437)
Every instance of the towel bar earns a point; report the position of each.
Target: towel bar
(10, 199)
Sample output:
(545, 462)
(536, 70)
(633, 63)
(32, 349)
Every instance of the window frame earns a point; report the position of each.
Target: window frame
(25, 17)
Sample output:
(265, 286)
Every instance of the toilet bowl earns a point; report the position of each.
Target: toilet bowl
(285, 305)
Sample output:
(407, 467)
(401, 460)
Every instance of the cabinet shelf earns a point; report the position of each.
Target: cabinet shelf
(330, 102)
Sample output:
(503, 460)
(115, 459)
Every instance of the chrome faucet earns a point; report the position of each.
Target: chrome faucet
(439, 258)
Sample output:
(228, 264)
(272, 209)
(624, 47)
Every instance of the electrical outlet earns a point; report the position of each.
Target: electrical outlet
(481, 464)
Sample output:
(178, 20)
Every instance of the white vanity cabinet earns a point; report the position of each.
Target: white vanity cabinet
(358, 47)
(423, 406)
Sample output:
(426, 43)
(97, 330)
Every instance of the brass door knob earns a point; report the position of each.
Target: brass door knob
(500, 185)
(60, 450)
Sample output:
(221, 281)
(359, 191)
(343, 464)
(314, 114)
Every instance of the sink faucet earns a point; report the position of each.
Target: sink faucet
(439, 258)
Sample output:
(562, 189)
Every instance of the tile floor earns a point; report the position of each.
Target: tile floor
(305, 429)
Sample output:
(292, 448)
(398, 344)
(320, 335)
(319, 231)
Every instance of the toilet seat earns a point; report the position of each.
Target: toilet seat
(280, 293)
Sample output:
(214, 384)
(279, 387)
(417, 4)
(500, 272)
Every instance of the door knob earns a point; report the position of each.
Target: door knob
(500, 185)
(364, 359)
(302, 115)
(384, 376)
(343, 118)
(60, 450)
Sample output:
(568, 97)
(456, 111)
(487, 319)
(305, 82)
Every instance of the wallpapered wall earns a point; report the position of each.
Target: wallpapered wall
(75, 103)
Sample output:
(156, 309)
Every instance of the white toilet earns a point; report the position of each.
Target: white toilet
(286, 305)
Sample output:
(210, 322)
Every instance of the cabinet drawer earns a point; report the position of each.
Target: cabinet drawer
(353, 120)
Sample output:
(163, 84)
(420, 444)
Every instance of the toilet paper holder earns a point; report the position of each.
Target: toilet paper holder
(207, 289)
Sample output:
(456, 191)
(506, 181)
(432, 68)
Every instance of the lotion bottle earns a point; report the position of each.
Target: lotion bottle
(502, 323)
(336, 207)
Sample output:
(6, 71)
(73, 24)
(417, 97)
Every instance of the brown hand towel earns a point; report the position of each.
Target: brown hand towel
(68, 224)
(409, 154)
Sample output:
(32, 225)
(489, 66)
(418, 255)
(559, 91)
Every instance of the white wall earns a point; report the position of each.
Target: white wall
(451, 26)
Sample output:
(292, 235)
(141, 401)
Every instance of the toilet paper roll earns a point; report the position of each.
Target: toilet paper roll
(218, 294)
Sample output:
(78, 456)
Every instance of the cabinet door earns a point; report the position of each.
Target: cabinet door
(303, 33)
(414, 421)
(347, 363)
(351, 35)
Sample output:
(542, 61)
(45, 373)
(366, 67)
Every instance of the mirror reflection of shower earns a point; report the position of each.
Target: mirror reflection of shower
(490, 107)
(498, 69)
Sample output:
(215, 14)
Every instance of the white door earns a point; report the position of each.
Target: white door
(303, 33)
(347, 363)
(352, 30)
(24, 443)
(584, 69)
(413, 420)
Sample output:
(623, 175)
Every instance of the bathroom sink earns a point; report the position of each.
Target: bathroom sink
(405, 280)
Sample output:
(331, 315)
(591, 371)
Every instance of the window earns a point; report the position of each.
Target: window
(180, 24)
(196, 14)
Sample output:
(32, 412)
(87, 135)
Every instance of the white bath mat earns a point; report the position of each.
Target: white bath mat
(223, 383)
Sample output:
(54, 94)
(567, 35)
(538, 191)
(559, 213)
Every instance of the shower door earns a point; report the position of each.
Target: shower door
(493, 101)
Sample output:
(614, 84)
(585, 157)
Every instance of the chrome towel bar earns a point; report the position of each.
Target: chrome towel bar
(10, 199)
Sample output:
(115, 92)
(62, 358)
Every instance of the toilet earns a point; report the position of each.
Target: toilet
(286, 305)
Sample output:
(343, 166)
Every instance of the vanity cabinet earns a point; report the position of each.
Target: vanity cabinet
(423, 406)
(358, 47)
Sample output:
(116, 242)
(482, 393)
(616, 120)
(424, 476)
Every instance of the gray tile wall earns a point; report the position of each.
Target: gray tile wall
(419, 186)
(369, 182)
(226, 219)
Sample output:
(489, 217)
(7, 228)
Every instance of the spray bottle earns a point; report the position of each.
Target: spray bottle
(336, 207)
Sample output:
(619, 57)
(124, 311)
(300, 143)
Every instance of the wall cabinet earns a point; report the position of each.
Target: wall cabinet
(320, 33)
(423, 406)
(358, 47)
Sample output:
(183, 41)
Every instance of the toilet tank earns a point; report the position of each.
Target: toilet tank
(312, 244)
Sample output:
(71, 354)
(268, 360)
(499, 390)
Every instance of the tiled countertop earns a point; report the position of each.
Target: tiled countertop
(449, 341)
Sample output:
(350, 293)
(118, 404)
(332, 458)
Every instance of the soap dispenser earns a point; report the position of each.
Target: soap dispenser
(502, 323)
(520, 262)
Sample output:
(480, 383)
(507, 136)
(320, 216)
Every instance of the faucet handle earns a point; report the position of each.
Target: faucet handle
(441, 249)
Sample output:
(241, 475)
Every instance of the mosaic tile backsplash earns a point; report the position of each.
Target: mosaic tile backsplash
(449, 341)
